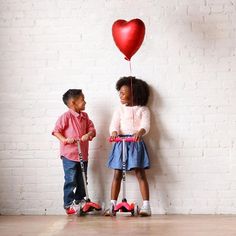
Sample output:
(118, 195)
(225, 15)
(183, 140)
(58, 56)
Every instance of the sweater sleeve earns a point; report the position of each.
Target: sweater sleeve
(145, 121)
(115, 122)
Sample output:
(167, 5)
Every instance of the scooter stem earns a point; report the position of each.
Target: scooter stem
(124, 168)
(123, 140)
(83, 170)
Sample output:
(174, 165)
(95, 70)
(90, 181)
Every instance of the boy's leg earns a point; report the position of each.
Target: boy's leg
(80, 189)
(69, 184)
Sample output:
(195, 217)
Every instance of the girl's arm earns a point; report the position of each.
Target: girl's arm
(137, 136)
(145, 120)
(115, 124)
(145, 124)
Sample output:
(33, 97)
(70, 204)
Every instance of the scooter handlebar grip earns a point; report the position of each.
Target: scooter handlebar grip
(119, 139)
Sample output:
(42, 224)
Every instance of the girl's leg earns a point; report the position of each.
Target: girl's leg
(115, 187)
(143, 184)
(144, 189)
(115, 190)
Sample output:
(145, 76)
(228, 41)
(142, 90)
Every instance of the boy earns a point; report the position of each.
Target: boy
(72, 126)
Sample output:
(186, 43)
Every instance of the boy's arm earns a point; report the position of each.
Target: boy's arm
(61, 123)
(89, 136)
(63, 139)
(91, 131)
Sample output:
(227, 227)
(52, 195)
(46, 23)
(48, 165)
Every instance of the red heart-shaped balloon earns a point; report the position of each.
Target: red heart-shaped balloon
(128, 36)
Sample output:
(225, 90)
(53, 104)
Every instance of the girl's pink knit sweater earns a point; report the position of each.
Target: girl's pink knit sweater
(129, 120)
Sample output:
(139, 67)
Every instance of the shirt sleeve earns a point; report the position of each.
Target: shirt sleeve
(115, 122)
(145, 120)
(60, 125)
(90, 126)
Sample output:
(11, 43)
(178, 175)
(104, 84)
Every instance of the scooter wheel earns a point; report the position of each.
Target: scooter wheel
(112, 210)
(135, 212)
(103, 209)
(80, 211)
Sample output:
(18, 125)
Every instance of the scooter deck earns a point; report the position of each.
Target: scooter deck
(90, 206)
(124, 207)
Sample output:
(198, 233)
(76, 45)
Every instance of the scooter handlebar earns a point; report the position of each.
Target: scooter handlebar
(120, 139)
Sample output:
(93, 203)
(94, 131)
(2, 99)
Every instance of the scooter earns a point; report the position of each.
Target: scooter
(124, 206)
(88, 206)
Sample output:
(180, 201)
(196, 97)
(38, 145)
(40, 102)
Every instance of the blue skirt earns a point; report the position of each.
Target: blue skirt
(136, 155)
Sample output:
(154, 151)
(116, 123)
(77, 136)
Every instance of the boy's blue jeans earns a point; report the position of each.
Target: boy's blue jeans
(73, 185)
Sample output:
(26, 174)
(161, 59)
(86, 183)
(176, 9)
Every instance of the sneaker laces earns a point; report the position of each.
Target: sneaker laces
(145, 207)
(82, 202)
(74, 206)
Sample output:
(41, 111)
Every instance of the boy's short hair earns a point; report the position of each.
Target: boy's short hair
(71, 94)
(139, 87)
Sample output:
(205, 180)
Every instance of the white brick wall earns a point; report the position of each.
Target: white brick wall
(188, 58)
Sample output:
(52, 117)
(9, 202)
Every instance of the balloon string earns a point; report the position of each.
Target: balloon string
(130, 68)
(131, 87)
(132, 97)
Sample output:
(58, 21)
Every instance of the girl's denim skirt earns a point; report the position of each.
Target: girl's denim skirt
(136, 155)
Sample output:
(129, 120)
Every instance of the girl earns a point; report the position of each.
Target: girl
(132, 118)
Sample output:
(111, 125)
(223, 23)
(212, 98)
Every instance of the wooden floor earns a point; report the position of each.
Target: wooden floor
(158, 225)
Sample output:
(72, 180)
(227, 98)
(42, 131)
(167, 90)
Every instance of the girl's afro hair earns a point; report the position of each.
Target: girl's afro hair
(139, 87)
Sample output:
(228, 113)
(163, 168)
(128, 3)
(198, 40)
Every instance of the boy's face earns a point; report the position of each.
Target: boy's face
(125, 95)
(78, 103)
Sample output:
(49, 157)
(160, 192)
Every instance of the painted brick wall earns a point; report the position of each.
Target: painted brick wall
(187, 57)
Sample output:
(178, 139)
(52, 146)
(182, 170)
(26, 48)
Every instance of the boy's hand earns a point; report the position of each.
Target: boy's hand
(87, 137)
(70, 140)
(84, 137)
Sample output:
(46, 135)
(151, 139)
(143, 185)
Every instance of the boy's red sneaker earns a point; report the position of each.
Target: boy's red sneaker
(75, 206)
(71, 210)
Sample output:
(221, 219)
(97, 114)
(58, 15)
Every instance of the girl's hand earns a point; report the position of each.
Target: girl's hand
(137, 136)
(114, 134)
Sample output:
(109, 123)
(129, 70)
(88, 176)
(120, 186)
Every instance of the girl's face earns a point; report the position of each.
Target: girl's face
(125, 95)
(79, 103)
